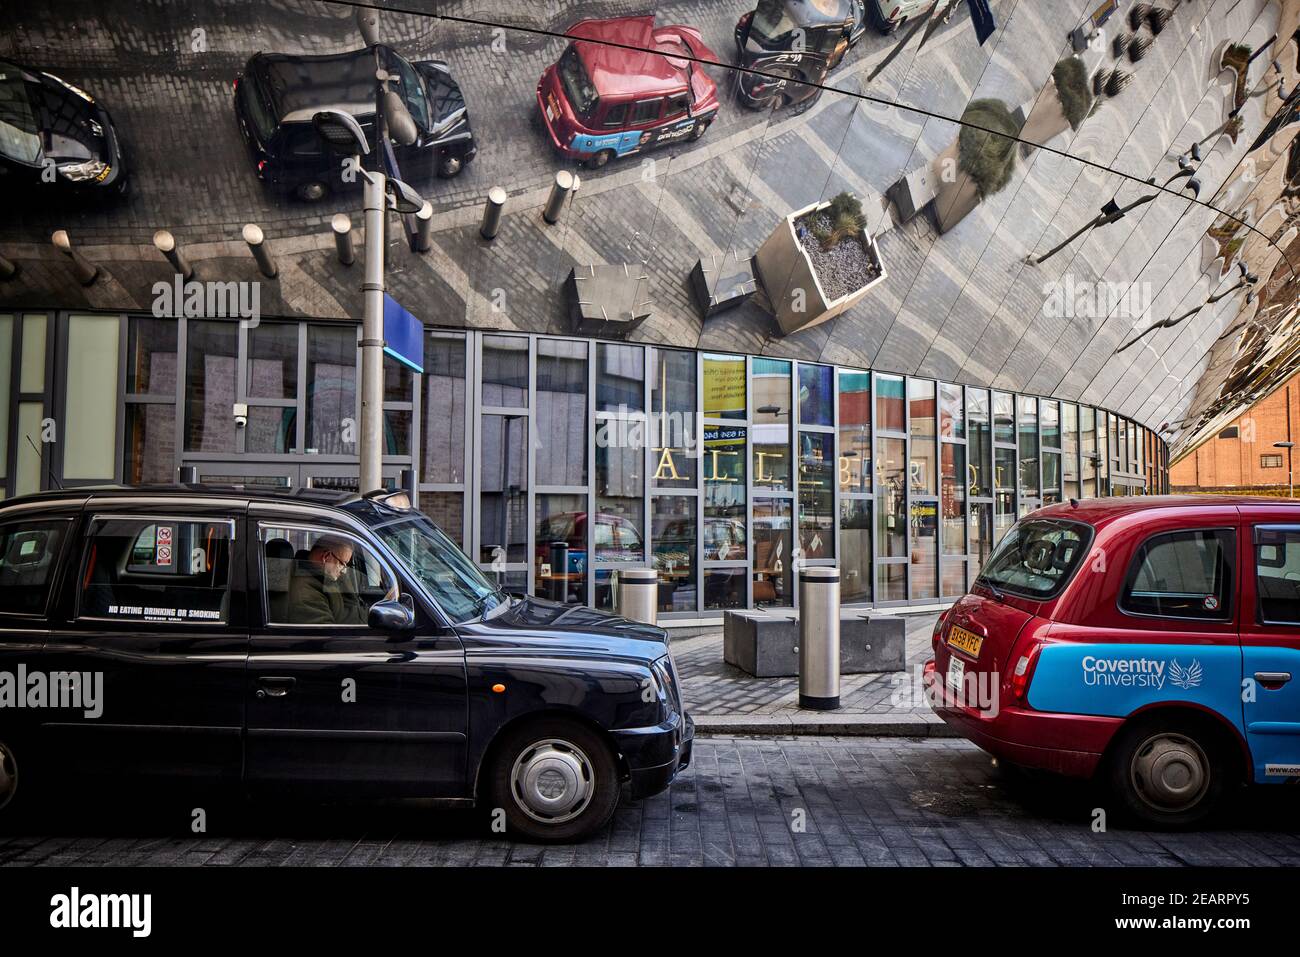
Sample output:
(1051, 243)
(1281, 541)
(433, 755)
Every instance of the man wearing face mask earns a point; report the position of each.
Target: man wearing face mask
(323, 590)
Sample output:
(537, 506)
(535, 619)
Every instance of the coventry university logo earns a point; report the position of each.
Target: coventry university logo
(1185, 678)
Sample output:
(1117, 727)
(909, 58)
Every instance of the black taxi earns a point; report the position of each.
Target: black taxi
(314, 641)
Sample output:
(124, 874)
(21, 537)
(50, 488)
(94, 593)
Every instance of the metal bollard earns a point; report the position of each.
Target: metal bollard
(638, 594)
(165, 243)
(187, 475)
(85, 271)
(559, 193)
(409, 480)
(496, 204)
(8, 268)
(559, 558)
(819, 638)
(341, 224)
(257, 246)
(424, 227)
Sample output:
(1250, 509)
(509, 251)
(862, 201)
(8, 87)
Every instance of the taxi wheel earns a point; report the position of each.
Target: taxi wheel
(8, 780)
(1170, 773)
(556, 781)
(600, 159)
(698, 130)
(312, 192)
(450, 166)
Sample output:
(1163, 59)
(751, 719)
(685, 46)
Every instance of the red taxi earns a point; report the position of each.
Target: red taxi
(1149, 641)
(605, 98)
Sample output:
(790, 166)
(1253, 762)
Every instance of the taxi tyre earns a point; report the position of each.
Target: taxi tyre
(312, 192)
(450, 166)
(554, 746)
(1189, 750)
(600, 159)
(700, 127)
(12, 796)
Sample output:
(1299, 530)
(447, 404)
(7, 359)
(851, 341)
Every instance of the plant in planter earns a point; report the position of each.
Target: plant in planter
(1119, 46)
(818, 262)
(1158, 19)
(1138, 47)
(1138, 14)
(1117, 81)
(1064, 103)
(1237, 58)
(983, 158)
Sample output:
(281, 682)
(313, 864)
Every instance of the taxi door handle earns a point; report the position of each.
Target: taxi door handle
(275, 687)
(1272, 680)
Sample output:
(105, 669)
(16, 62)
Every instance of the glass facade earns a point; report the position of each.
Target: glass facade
(725, 473)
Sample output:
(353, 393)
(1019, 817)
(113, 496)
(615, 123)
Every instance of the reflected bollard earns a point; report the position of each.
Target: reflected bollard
(638, 594)
(85, 271)
(257, 246)
(341, 225)
(8, 268)
(496, 204)
(187, 475)
(819, 638)
(559, 571)
(424, 227)
(165, 243)
(409, 481)
(559, 193)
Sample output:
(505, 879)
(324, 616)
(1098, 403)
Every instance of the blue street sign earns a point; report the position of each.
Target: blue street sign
(982, 17)
(403, 335)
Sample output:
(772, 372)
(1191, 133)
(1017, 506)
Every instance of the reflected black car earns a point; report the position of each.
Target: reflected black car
(277, 95)
(54, 134)
(198, 634)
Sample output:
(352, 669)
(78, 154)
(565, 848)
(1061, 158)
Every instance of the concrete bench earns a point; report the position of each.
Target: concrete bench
(766, 643)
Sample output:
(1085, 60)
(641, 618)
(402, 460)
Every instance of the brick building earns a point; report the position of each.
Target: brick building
(1242, 455)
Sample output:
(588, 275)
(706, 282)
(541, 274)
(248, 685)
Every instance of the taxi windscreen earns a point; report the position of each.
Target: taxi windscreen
(1036, 558)
(577, 85)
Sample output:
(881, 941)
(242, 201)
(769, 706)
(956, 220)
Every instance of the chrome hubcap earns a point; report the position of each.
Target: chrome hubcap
(8, 775)
(1170, 772)
(552, 781)
(450, 166)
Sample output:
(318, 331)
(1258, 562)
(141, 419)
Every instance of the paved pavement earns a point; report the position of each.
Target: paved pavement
(963, 306)
(724, 699)
(778, 802)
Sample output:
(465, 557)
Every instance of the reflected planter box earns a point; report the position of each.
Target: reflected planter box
(608, 300)
(789, 277)
(722, 282)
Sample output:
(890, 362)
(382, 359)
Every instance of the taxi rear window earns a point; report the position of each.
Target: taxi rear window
(1037, 557)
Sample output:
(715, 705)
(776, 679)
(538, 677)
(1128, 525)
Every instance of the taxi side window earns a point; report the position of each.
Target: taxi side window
(646, 110)
(677, 105)
(29, 552)
(156, 569)
(1182, 575)
(1277, 575)
(314, 576)
(615, 116)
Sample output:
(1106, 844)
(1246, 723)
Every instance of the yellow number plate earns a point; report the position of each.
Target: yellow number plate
(965, 641)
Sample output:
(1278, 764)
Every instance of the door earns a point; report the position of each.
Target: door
(332, 701)
(1270, 648)
(153, 617)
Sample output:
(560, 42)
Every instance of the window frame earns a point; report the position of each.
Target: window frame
(300, 526)
(1229, 611)
(1283, 527)
(152, 518)
(53, 584)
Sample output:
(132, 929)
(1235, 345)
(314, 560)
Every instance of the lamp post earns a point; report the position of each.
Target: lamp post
(1112, 211)
(1290, 481)
(343, 135)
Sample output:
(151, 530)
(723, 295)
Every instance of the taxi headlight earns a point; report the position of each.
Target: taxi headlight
(81, 172)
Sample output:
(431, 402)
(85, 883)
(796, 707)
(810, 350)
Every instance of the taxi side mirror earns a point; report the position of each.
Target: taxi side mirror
(391, 615)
